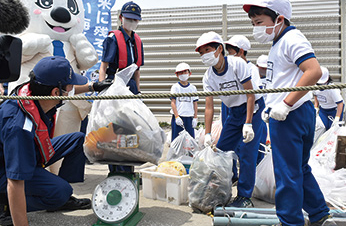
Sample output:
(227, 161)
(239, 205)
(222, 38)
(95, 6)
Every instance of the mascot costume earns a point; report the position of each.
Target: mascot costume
(56, 28)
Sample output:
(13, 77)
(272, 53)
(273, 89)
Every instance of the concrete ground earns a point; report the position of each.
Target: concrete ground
(157, 213)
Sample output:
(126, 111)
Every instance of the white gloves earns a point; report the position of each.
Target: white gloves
(280, 111)
(248, 133)
(179, 121)
(207, 140)
(194, 123)
(336, 121)
(265, 115)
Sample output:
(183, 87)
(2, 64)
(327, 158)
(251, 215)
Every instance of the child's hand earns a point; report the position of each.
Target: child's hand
(280, 111)
(179, 121)
(194, 122)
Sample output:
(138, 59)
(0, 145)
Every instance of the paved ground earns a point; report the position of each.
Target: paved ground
(157, 213)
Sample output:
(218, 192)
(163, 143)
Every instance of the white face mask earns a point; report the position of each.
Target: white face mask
(209, 59)
(260, 34)
(184, 77)
(71, 93)
(130, 25)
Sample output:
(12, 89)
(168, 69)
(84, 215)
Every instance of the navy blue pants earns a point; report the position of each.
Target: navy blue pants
(177, 129)
(231, 137)
(296, 187)
(326, 113)
(47, 191)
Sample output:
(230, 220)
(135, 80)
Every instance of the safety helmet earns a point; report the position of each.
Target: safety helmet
(239, 41)
(182, 67)
(206, 38)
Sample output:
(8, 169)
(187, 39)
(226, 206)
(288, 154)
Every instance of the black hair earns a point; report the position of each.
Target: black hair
(257, 11)
(235, 48)
(215, 45)
(38, 89)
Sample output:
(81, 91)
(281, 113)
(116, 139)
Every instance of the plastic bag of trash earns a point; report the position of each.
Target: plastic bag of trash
(265, 180)
(123, 130)
(183, 145)
(210, 182)
(323, 152)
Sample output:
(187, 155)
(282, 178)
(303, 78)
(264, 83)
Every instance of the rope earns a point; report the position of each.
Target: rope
(168, 95)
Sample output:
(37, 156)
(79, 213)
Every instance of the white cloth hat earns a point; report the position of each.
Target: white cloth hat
(182, 67)
(239, 41)
(325, 75)
(262, 61)
(207, 38)
(282, 7)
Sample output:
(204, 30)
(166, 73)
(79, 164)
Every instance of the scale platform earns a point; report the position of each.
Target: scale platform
(115, 200)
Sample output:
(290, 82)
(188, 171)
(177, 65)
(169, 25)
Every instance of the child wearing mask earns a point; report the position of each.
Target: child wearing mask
(184, 109)
(292, 118)
(244, 120)
(329, 101)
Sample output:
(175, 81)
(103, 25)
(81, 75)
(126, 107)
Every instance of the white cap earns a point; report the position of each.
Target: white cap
(262, 61)
(207, 38)
(182, 67)
(239, 41)
(325, 75)
(281, 7)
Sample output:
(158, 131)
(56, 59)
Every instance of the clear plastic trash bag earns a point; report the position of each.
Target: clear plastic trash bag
(183, 145)
(123, 130)
(210, 182)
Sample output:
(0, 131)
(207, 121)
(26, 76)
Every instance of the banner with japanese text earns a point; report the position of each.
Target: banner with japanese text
(97, 23)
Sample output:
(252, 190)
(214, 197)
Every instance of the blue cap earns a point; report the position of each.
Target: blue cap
(131, 10)
(53, 70)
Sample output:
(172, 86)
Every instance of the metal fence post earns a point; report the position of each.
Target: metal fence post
(224, 22)
(343, 43)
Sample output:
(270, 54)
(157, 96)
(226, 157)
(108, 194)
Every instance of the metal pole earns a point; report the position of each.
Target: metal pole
(343, 42)
(224, 22)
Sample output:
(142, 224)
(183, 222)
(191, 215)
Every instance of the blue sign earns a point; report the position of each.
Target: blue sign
(97, 24)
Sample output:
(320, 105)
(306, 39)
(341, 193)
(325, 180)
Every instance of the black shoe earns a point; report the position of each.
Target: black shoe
(75, 204)
(241, 202)
(324, 221)
(5, 216)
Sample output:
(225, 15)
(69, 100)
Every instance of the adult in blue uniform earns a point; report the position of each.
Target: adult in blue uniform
(123, 47)
(27, 147)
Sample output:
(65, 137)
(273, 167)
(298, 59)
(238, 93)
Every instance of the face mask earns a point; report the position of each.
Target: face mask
(130, 25)
(184, 77)
(209, 59)
(261, 36)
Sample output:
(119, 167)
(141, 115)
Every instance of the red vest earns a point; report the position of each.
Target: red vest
(42, 137)
(122, 47)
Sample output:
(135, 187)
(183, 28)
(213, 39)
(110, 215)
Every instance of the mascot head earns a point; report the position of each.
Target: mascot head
(57, 18)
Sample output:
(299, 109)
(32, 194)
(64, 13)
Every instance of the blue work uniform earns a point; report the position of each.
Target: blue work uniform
(292, 139)
(20, 158)
(111, 55)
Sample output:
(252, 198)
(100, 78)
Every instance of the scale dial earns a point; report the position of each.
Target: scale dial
(115, 199)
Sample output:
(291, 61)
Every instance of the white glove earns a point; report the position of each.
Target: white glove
(207, 140)
(248, 133)
(265, 115)
(280, 111)
(179, 121)
(336, 121)
(194, 122)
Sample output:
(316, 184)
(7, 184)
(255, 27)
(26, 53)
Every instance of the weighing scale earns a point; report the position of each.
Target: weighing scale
(115, 200)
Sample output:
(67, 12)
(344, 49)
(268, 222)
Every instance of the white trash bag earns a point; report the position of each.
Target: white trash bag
(265, 180)
(183, 145)
(123, 130)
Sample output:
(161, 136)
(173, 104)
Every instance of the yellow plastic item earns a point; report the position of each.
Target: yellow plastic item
(172, 168)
